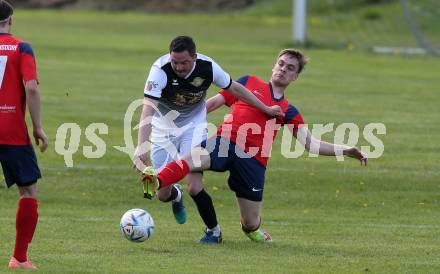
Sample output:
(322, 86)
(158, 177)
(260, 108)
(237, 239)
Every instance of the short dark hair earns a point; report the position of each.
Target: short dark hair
(182, 43)
(302, 59)
(6, 10)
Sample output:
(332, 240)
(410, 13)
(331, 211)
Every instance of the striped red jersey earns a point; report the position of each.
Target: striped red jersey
(249, 127)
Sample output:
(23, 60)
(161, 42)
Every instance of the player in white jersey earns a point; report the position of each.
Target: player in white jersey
(174, 114)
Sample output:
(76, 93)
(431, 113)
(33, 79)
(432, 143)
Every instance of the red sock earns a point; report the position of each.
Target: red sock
(172, 173)
(25, 224)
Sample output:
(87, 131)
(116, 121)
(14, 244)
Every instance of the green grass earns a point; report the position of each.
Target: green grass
(325, 216)
(355, 24)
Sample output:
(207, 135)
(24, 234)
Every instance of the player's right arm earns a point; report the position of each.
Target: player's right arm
(33, 101)
(140, 155)
(154, 85)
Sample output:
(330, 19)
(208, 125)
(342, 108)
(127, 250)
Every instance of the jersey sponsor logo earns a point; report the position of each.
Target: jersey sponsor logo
(151, 85)
(256, 189)
(197, 82)
(7, 109)
(180, 100)
(188, 98)
(8, 47)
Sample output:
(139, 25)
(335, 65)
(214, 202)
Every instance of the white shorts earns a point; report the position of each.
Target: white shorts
(171, 148)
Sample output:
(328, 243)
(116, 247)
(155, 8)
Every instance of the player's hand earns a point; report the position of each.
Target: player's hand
(41, 139)
(354, 152)
(275, 111)
(140, 160)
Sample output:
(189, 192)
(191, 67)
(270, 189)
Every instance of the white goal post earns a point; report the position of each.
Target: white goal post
(412, 11)
(299, 21)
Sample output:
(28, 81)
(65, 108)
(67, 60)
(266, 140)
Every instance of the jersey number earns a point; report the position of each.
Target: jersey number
(3, 61)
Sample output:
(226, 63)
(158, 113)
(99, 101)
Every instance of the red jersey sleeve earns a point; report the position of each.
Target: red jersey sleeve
(229, 98)
(293, 117)
(28, 67)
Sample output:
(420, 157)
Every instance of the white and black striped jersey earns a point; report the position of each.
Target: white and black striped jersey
(184, 95)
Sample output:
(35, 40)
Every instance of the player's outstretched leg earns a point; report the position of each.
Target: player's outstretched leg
(251, 221)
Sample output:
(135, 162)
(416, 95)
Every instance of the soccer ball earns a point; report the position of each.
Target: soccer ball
(137, 225)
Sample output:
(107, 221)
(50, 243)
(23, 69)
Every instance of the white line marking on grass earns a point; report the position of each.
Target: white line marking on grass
(373, 171)
(89, 167)
(412, 226)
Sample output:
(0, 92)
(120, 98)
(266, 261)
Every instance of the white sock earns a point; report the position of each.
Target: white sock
(179, 194)
(215, 230)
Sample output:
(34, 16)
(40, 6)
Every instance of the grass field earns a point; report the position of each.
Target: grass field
(325, 216)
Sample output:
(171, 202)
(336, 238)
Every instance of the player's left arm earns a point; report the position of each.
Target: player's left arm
(28, 70)
(33, 101)
(316, 146)
(215, 102)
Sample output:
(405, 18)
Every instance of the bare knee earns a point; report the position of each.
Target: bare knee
(28, 191)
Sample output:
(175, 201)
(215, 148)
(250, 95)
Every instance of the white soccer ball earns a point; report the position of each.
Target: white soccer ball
(137, 225)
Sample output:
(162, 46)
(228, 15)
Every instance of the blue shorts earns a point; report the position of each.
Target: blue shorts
(246, 177)
(19, 165)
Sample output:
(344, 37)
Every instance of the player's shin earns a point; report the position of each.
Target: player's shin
(26, 222)
(206, 209)
(173, 173)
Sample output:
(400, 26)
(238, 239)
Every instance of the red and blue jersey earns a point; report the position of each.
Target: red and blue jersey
(17, 65)
(249, 127)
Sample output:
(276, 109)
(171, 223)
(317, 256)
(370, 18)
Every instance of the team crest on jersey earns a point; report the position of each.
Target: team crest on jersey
(197, 82)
